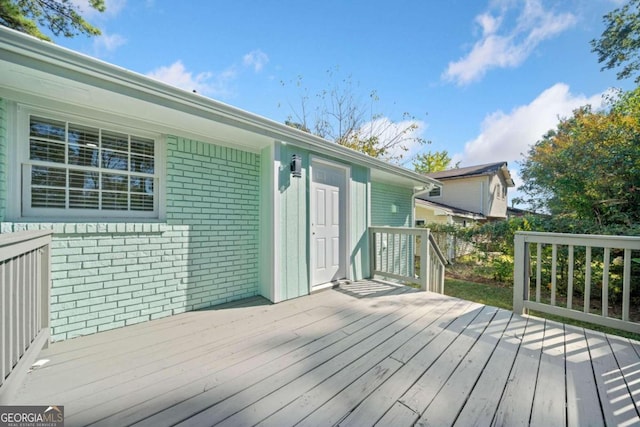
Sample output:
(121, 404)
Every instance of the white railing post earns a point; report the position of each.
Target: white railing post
(425, 261)
(372, 253)
(519, 268)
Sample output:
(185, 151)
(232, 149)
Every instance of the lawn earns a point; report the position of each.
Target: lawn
(500, 295)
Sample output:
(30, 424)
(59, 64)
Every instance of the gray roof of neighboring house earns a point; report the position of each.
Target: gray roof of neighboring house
(451, 209)
(477, 170)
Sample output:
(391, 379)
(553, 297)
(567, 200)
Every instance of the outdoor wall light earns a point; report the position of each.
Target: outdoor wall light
(296, 166)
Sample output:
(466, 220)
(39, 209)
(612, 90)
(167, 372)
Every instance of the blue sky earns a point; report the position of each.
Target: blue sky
(484, 78)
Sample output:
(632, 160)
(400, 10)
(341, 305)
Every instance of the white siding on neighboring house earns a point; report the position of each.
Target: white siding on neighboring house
(470, 194)
(497, 200)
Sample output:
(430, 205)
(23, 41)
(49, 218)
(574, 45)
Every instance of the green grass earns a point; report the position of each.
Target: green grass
(502, 296)
(494, 295)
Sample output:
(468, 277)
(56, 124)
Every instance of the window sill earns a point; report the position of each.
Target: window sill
(98, 227)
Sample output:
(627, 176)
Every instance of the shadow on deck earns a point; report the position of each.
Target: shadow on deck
(365, 353)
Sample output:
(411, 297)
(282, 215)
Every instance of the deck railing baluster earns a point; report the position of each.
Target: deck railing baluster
(554, 272)
(587, 280)
(24, 306)
(605, 283)
(401, 245)
(595, 261)
(626, 285)
(570, 277)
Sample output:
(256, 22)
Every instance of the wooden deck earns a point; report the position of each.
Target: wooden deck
(365, 354)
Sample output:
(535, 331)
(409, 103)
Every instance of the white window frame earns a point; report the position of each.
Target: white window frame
(22, 170)
(441, 188)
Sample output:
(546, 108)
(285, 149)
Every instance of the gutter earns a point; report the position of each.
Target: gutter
(45, 53)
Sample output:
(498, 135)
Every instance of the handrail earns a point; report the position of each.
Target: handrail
(393, 253)
(589, 260)
(437, 250)
(25, 278)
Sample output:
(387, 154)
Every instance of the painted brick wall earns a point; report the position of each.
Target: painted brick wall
(215, 191)
(109, 275)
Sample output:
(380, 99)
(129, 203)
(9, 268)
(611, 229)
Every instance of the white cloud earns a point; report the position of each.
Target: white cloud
(107, 43)
(387, 130)
(505, 136)
(255, 59)
(206, 83)
(501, 47)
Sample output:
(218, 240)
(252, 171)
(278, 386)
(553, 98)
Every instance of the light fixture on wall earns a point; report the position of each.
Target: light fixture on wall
(296, 166)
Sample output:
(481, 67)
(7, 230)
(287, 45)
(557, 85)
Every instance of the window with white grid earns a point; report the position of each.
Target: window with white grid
(88, 170)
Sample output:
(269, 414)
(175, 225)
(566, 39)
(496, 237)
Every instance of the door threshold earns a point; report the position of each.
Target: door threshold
(329, 285)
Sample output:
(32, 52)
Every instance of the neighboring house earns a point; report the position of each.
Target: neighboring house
(474, 193)
(429, 212)
(164, 201)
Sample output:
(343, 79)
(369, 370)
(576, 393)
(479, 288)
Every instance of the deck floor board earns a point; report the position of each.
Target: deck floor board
(365, 353)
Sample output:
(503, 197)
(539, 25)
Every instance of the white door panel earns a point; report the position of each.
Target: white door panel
(328, 224)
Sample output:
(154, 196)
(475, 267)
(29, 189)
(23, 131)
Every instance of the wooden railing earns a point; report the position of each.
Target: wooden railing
(24, 304)
(394, 251)
(582, 277)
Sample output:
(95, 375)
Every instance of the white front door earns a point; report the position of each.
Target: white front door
(328, 223)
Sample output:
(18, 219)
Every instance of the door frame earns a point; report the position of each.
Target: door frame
(345, 210)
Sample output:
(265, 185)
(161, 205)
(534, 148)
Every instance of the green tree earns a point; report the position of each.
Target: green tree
(433, 161)
(619, 44)
(338, 114)
(61, 17)
(589, 166)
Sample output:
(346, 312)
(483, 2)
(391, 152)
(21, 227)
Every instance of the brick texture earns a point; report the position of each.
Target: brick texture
(109, 275)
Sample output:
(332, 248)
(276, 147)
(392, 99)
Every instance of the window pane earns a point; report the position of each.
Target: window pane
(141, 202)
(114, 201)
(87, 180)
(47, 198)
(142, 146)
(141, 164)
(141, 184)
(50, 177)
(115, 141)
(115, 160)
(113, 182)
(83, 146)
(47, 129)
(84, 167)
(83, 199)
(46, 151)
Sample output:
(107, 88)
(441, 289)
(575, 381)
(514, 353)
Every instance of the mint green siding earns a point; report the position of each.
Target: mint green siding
(359, 249)
(294, 204)
(391, 205)
(293, 223)
(267, 256)
(108, 275)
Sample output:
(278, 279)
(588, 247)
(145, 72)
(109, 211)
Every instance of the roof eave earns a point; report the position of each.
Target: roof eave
(45, 52)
